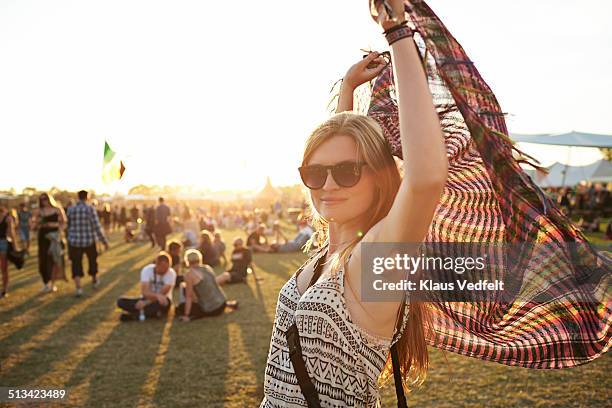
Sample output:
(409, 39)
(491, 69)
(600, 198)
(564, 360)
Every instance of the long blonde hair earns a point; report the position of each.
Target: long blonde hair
(376, 153)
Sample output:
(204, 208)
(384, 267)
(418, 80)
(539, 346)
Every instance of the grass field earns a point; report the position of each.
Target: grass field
(57, 340)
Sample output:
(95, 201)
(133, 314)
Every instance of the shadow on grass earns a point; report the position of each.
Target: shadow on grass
(282, 265)
(197, 364)
(34, 296)
(117, 369)
(80, 324)
(256, 328)
(132, 246)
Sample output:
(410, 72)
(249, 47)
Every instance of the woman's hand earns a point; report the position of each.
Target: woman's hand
(363, 71)
(360, 73)
(387, 13)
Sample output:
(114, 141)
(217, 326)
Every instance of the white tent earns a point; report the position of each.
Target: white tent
(572, 138)
(600, 171)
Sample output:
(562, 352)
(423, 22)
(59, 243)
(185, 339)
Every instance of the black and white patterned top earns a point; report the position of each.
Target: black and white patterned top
(342, 359)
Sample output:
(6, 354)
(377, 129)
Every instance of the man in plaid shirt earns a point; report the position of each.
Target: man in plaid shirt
(83, 229)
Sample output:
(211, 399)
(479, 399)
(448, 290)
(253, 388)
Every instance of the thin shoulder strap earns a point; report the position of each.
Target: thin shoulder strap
(397, 375)
(397, 378)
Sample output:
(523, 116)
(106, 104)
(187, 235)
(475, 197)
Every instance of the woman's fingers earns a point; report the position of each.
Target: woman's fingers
(376, 65)
(369, 58)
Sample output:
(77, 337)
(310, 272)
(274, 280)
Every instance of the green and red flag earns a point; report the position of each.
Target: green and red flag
(112, 167)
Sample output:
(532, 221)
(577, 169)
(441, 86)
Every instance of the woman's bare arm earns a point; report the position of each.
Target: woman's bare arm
(62, 220)
(189, 295)
(425, 167)
(358, 74)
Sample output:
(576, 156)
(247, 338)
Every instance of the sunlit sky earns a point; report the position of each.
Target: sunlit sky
(190, 93)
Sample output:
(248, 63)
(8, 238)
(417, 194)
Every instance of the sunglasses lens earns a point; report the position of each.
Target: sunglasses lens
(347, 174)
(313, 176)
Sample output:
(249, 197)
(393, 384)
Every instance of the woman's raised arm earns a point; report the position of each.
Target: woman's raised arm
(359, 73)
(424, 152)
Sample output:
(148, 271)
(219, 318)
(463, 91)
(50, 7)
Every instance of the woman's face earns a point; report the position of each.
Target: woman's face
(333, 202)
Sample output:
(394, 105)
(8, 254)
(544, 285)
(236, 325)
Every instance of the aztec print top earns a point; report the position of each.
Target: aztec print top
(342, 359)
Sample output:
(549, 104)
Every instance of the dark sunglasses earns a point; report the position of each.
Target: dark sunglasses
(345, 174)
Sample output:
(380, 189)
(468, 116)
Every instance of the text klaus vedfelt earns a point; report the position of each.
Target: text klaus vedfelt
(410, 264)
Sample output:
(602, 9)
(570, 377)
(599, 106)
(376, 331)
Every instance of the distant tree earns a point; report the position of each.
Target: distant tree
(140, 189)
(607, 152)
(29, 191)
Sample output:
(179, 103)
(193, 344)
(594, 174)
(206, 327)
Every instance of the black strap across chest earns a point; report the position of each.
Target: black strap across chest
(299, 367)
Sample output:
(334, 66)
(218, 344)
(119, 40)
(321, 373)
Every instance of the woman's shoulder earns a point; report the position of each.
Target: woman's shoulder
(203, 271)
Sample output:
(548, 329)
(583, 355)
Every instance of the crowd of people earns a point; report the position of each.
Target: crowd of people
(588, 203)
(81, 227)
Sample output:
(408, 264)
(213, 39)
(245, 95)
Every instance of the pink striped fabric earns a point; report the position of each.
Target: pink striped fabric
(488, 198)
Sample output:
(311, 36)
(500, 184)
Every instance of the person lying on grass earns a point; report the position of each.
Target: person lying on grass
(203, 296)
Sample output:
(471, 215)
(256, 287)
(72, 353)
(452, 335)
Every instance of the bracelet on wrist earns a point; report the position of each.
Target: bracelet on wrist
(395, 27)
(398, 33)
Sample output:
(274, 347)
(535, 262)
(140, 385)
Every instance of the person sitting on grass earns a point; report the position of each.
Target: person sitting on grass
(257, 240)
(207, 249)
(190, 232)
(174, 249)
(130, 228)
(156, 283)
(241, 261)
(219, 245)
(297, 243)
(203, 296)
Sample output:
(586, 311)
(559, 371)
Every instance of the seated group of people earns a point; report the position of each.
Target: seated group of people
(200, 294)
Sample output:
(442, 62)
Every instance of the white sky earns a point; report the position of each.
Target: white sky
(221, 98)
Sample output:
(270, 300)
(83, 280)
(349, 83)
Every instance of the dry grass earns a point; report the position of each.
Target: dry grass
(57, 340)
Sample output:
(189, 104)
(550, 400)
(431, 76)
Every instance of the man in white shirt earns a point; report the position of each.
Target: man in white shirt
(156, 284)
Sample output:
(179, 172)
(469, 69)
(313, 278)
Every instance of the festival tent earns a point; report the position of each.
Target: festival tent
(268, 193)
(600, 171)
(570, 140)
(573, 138)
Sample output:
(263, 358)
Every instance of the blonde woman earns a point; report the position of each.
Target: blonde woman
(50, 222)
(357, 195)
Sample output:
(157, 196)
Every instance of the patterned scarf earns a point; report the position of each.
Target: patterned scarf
(489, 198)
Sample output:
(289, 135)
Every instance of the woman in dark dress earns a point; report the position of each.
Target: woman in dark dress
(50, 222)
